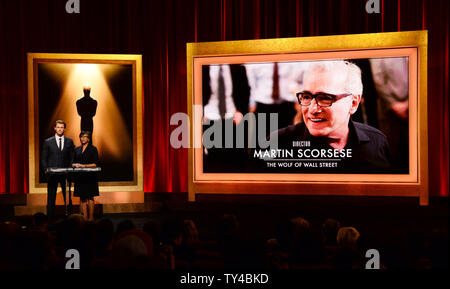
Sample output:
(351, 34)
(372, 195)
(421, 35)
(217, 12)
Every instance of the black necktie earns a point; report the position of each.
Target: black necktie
(275, 87)
(221, 92)
(60, 144)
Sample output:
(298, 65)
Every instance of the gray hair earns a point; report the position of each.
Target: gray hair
(353, 82)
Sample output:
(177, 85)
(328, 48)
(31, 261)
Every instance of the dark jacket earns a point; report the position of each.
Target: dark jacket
(86, 184)
(370, 151)
(241, 89)
(53, 157)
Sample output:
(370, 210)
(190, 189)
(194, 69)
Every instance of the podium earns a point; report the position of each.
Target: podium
(69, 173)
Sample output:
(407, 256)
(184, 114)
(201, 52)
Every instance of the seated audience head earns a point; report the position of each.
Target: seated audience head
(67, 230)
(190, 231)
(153, 229)
(330, 228)
(347, 237)
(300, 227)
(77, 220)
(172, 232)
(104, 234)
(73, 223)
(277, 260)
(40, 221)
(123, 226)
(228, 226)
(285, 234)
(131, 248)
(271, 245)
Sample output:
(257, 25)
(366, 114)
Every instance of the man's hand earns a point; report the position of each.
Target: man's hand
(76, 165)
(401, 109)
(237, 117)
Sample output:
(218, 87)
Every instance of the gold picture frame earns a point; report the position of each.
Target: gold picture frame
(411, 43)
(111, 191)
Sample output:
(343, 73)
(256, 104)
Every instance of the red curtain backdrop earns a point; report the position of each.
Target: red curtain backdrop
(159, 30)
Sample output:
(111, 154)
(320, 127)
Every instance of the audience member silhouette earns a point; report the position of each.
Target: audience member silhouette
(133, 249)
(330, 228)
(295, 245)
(123, 226)
(348, 256)
(153, 229)
(40, 221)
(103, 237)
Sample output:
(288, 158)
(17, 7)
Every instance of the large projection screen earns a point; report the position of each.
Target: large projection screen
(407, 173)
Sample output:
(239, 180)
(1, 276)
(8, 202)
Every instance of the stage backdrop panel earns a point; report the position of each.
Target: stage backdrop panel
(112, 110)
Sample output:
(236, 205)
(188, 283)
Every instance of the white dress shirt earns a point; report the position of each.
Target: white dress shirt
(390, 76)
(57, 141)
(211, 109)
(260, 78)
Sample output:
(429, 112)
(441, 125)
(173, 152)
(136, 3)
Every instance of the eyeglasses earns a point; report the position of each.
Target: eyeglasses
(322, 99)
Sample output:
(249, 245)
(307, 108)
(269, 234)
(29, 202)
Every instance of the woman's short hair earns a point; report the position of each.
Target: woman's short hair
(88, 133)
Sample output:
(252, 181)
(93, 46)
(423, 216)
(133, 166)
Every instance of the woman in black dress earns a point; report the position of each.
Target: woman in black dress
(86, 184)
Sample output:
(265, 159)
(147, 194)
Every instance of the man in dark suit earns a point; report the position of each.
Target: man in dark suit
(328, 140)
(225, 101)
(57, 152)
(239, 89)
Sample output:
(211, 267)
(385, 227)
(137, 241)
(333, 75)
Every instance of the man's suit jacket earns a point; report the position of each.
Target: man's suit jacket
(241, 89)
(53, 157)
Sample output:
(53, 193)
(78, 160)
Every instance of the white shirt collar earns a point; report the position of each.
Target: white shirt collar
(57, 140)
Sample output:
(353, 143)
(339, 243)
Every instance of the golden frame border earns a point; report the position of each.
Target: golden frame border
(136, 60)
(339, 43)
